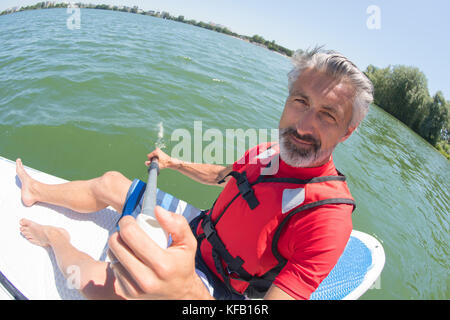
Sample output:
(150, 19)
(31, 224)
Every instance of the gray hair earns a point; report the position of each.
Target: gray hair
(337, 66)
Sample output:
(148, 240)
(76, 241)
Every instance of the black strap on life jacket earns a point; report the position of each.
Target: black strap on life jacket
(232, 267)
(244, 186)
(245, 189)
(234, 264)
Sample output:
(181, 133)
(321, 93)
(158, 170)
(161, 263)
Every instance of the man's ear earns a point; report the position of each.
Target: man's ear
(348, 134)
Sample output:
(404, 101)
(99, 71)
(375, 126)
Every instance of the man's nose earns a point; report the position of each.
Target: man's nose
(306, 124)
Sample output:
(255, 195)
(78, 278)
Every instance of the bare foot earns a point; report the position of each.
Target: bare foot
(38, 234)
(28, 197)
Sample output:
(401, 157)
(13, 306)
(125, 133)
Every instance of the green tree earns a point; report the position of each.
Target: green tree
(436, 121)
(258, 39)
(403, 92)
(165, 15)
(226, 31)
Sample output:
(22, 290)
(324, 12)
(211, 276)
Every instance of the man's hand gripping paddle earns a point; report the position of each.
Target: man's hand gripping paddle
(146, 219)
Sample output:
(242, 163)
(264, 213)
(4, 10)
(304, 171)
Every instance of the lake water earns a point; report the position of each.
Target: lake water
(77, 103)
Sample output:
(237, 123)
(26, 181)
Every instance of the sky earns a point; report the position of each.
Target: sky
(377, 32)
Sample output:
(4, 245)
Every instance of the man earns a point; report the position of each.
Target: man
(275, 236)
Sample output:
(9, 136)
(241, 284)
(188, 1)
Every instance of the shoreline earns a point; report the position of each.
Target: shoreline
(257, 40)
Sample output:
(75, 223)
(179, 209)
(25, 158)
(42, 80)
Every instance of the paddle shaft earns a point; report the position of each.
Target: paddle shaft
(147, 219)
(149, 202)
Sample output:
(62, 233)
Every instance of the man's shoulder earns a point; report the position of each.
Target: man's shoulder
(262, 147)
(327, 217)
(254, 152)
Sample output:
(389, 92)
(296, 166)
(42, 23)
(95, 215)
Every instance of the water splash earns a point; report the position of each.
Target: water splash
(160, 142)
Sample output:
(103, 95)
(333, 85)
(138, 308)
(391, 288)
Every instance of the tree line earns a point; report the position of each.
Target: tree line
(271, 45)
(403, 92)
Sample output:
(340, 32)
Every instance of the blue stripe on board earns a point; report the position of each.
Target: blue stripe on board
(174, 205)
(159, 196)
(166, 201)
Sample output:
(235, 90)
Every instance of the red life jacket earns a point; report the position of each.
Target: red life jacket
(248, 260)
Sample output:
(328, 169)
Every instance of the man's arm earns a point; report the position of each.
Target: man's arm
(275, 293)
(204, 173)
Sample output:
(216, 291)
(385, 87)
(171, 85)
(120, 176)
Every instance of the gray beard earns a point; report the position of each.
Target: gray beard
(298, 157)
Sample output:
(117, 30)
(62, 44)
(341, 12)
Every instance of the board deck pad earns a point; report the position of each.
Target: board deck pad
(34, 274)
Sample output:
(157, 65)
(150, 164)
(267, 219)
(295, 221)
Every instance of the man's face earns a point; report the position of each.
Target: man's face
(315, 119)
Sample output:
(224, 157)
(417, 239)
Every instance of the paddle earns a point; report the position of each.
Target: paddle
(146, 219)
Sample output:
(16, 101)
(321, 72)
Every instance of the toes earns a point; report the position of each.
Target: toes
(24, 229)
(25, 234)
(19, 166)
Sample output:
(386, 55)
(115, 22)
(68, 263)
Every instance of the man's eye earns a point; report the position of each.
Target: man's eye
(329, 116)
(300, 101)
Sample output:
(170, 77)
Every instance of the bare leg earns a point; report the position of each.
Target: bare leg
(81, 196)
(97, 280)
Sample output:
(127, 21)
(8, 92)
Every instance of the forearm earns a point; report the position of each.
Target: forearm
(204, 173)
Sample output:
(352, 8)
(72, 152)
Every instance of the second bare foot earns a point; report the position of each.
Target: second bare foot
(39, 234)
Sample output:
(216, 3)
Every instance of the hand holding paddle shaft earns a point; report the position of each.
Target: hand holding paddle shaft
(146, 219)
(149, 202)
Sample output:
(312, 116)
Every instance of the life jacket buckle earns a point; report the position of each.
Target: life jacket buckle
(247, 191)
(244, 186)
(208, 227)
(232, 274)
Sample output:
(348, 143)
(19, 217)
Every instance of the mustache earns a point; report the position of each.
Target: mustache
(307, 137)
